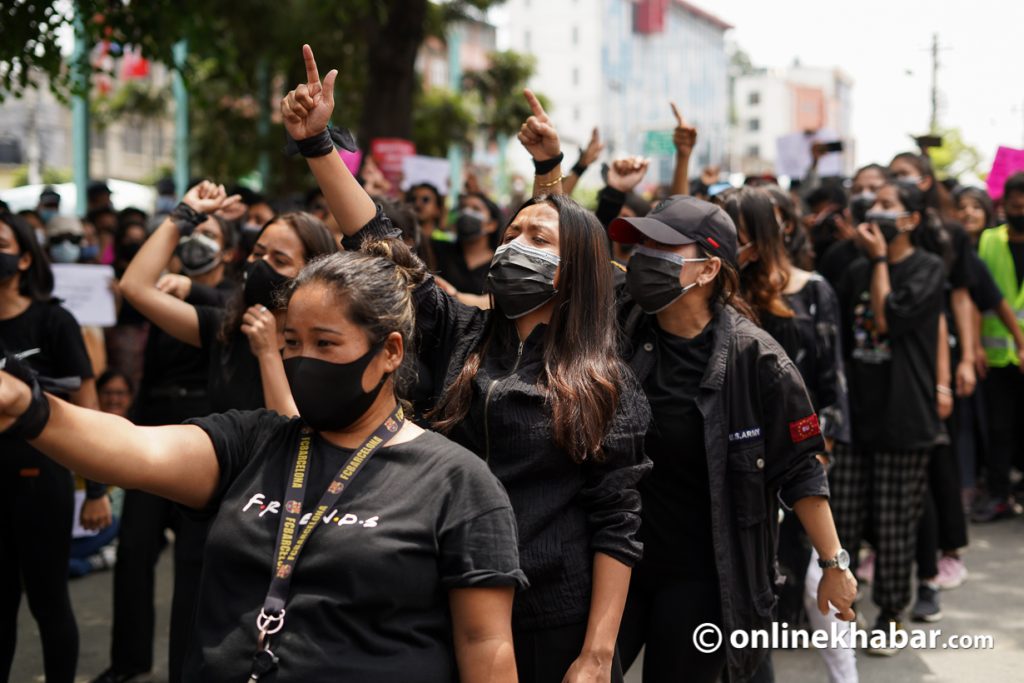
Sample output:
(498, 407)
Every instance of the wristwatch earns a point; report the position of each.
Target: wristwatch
(841, 561)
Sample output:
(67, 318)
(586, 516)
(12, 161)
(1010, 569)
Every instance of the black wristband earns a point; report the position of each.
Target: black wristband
(31, 423)
(187, 218)
(548, 165)
(580, 168)
(875, 260)
(319, 145)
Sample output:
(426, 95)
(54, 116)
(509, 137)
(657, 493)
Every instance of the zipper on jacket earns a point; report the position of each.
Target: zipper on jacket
(487, 403)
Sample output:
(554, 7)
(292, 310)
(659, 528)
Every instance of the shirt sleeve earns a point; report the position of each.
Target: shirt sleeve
(609, 204)
(379, 227)
(204, 295)
(441, 321)
(236, 436)
(792, 433)
(210, 320)
(916, 299)
(482, 552)
(960, 270)
(984, 291)
(610, 495)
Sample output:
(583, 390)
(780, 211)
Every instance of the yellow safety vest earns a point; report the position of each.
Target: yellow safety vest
(994, 250)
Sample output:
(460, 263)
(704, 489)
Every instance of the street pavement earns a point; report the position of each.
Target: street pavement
(991, 602)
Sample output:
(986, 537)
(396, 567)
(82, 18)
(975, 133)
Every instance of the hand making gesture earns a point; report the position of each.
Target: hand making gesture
(307, 109)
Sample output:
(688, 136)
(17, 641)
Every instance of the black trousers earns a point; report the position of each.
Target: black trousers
(661, 615)
(1004, 388)
(943, 525)
(37, 499)
(545, 655)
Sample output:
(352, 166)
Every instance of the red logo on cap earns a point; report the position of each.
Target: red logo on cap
(711, 240)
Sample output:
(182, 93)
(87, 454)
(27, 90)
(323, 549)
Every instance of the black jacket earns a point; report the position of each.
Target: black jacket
(761, 436)
(565, 512)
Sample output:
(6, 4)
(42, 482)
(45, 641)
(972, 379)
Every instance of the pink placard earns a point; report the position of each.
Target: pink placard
(1007, 162)
(352, 160)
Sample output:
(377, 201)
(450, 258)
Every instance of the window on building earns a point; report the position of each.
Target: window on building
(576, 114)
(575, 76)
(754, 152)
(131, 139)
(575, 35)
(754, 125)
(98, 138)
(753, 97)
(526, 41)
(10, 151)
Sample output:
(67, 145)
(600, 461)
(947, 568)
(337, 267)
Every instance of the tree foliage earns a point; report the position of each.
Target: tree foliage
(955, 157)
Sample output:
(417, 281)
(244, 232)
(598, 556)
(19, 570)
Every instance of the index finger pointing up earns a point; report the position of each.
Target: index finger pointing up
(312, 75)
(679, 117)
(535, 105)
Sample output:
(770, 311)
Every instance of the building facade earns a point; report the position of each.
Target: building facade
(616, 64)
(772, 103)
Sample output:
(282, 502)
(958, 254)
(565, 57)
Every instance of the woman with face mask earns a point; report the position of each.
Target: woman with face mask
(837, 258)
(733, 432)
(37, 495)
(347, 544)
(533, 386)
(892, 300)
(462, 266)
(243, 341)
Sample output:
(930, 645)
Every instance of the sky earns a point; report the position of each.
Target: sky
(884, 45)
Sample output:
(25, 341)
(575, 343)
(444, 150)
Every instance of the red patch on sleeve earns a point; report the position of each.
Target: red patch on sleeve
(804, 429)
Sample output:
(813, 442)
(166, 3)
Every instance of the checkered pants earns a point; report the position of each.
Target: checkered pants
(888, 491)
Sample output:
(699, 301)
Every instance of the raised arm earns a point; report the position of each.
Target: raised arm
(540, 139)
(587, 157)
(684, 137)
(139, 284)
(175, 462)
(306, 112)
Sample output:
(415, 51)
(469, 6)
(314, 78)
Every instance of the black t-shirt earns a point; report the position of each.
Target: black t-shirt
(832, 265)
(985, 293)
(369, 595)
(676, 513)
(1017, 251)
(892, 376)
(47, 337)
(233, 372)
(451, 265)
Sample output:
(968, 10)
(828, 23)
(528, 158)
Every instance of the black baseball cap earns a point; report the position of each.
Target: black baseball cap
(682, 220)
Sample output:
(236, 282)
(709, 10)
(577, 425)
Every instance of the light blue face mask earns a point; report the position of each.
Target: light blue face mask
(65, 252)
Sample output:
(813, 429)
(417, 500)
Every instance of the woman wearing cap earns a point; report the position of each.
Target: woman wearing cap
(535, 388)
(348, 545)
(733, 432)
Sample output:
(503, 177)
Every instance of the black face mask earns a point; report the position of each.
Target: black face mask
(653, 278)
(8, 265)
(198, 254)
(330, 396)
(860, 204)
(522, 278)
(261, 282)
(129, 250)
(468, 225)
(886, 222)
(1016, 223)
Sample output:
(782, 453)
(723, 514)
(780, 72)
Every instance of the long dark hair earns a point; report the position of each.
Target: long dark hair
(582, 371)
(36, 283)
(316, 241)
(797, 243)
(929, 235)
(984, 201)
(764, 280)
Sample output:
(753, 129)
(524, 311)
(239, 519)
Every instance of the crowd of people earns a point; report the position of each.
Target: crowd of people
(534, 440)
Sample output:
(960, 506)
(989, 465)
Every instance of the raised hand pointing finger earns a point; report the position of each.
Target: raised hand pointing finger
(312, 75)
(679, 117)
(535, 105)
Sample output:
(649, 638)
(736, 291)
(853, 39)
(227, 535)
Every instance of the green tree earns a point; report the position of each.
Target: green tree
(441, 117)
(955, 157)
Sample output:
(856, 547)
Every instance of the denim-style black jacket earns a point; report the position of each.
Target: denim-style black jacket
(761, 436)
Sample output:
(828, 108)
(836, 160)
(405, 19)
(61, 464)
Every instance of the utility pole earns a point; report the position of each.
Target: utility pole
(182, 171)
(80, 112)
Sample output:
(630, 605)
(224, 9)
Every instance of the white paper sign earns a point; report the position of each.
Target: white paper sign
(85, 290)
(793, 155)
(421, 169)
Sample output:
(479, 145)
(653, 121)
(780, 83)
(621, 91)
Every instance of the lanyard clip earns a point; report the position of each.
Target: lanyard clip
(269, 624)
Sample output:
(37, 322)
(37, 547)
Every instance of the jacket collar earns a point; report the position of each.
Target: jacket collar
(724, 321)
